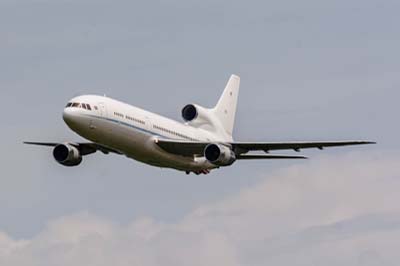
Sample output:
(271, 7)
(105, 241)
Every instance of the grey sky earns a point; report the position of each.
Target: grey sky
(310, 70)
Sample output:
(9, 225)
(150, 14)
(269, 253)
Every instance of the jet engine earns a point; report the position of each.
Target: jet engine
(197, 115)
(67, 155)
(219, 155)
(201, 117)
(189, 112)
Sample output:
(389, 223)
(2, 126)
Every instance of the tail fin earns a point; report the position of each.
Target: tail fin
(226, 107)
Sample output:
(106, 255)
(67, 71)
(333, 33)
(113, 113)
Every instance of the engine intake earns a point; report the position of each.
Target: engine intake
(67, 155)
(189, 112)
(219, 155)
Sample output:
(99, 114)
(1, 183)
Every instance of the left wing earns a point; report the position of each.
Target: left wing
(189, 148)
(84, 148)
(244, 147)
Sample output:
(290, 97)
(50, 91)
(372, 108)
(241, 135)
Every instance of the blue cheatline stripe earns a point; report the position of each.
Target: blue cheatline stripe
(128, 125)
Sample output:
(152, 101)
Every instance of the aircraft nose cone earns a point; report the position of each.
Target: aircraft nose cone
(69, 116)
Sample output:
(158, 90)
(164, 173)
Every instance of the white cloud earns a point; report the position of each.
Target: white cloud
(329, 211)
(8, 245)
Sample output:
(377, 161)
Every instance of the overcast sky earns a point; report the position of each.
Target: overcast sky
(310, 70)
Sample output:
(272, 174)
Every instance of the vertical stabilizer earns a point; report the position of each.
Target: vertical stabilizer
(225, 109)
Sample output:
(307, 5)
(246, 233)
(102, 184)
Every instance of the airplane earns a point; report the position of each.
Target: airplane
(202, 143)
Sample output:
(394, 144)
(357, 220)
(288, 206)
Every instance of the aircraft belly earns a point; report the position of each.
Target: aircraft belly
(135, 144)
(141, 147)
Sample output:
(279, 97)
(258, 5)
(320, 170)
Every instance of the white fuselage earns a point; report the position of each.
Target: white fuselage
(134, 132)
(202, 143)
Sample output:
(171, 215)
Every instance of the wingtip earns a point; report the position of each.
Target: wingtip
(28, 142)
(368, 142)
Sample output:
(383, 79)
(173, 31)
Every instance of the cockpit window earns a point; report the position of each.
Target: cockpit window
(80, 105)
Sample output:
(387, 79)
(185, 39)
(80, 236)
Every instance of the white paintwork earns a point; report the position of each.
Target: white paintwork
(138, 141)
(119, 127)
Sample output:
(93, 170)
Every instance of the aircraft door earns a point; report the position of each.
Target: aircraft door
(102, 110)
(148, 124)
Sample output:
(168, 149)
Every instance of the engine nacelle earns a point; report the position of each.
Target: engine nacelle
(205, 118)
(189, 112)
(198, 115)
(219, 155)
(67, 155)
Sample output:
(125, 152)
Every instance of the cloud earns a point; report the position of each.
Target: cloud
(328, 211)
